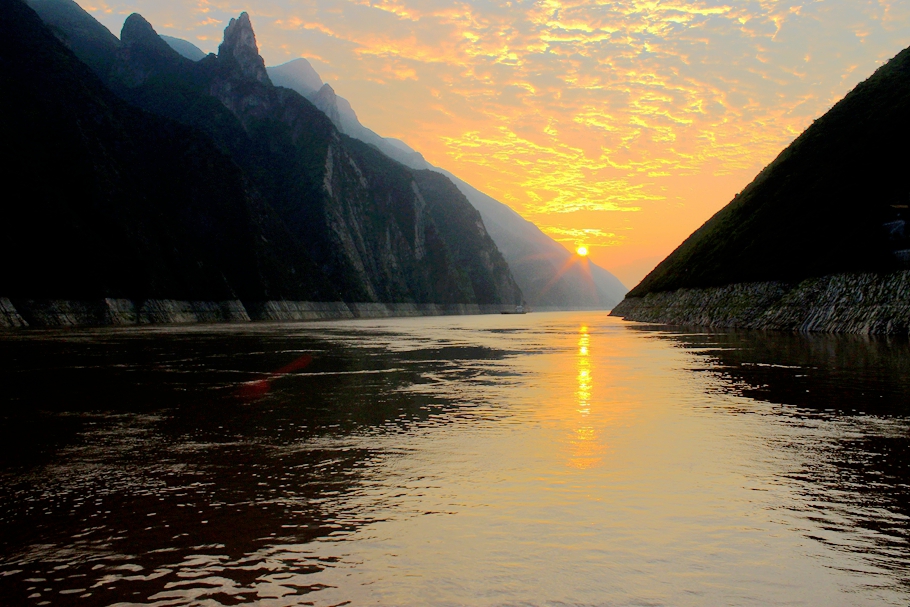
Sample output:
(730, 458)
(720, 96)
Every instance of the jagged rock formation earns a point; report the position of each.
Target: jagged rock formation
(834, 203)
(327, 102)
(240, 47)
(255, 199)
(548, 274)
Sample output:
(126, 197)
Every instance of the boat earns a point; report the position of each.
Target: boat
(517, 310)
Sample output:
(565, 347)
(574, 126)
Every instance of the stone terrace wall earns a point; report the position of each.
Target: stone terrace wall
(842, 303)
(118, 312)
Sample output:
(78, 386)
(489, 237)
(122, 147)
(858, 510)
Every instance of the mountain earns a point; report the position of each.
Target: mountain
(226, 177)
(548, 274)
(122, 203)
(822, 206)
(185, 48)
(91, 42)
(832, 205)
(297, 75)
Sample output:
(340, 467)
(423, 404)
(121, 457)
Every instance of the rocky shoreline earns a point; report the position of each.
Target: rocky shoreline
(124, 312)
(840, 303)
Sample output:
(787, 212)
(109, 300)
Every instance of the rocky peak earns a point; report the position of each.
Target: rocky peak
(326, 94)
(137, 31)
(240, 45)
(142, 52)
(326, 100)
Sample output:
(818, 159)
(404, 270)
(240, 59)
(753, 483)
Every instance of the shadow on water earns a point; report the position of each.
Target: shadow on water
(138, 466)
(843, 373)
(855, 391)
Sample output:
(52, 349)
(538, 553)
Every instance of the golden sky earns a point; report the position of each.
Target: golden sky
(619, 125)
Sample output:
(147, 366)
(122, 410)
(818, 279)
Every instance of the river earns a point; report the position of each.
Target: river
(539, 459)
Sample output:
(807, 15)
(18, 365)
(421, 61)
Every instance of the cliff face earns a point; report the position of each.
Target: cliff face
(365, 215)
(227, 198)
(548, 274)
(362, 216)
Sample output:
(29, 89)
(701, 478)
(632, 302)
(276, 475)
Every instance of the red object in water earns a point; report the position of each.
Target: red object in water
(300, 363)
(257, 389)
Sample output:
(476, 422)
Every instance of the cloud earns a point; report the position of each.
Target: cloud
(590, 237)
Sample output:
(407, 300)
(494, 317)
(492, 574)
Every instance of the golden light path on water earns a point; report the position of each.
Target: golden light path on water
(540, 459)
(606, 471)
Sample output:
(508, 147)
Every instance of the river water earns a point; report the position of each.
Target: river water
(545, 459)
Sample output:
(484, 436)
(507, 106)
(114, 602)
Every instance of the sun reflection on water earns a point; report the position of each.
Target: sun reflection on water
(495, 466)
(587, 450)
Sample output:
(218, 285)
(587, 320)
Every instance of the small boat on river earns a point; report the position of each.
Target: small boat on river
(517, 310)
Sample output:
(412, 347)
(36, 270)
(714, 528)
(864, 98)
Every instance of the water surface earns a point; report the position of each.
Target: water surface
(546, 459)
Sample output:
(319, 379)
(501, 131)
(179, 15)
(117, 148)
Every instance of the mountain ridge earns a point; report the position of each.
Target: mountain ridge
(548, 274)
(179, 214)
(361, 228)
(779, 227)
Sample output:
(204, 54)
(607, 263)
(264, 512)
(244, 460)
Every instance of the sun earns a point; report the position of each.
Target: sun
(582, 251)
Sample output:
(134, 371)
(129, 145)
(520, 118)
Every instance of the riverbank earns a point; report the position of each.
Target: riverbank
(841, 303)
(22, 313)
(121, 312)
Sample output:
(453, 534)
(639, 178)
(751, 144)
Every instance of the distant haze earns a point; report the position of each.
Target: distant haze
(620, 126)
(185, 48)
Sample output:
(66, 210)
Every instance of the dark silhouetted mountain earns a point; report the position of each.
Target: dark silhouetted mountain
(93, 43)
(462, 228)
(185, 48)
(547, 273)
(240, 51)
(121, 203)
(361, 216)
(834, 201)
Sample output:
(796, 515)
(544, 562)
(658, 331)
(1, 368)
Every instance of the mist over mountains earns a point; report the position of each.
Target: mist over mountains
(547, 273)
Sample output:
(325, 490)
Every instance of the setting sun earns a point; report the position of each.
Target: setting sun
(582, 251)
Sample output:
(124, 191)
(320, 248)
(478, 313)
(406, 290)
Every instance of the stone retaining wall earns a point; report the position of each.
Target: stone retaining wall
(842, 303)
(107, 312)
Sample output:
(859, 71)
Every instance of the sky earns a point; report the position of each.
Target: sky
(622, 126)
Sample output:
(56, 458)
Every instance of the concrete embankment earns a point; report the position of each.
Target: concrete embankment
(841, 303)
(119, 312)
